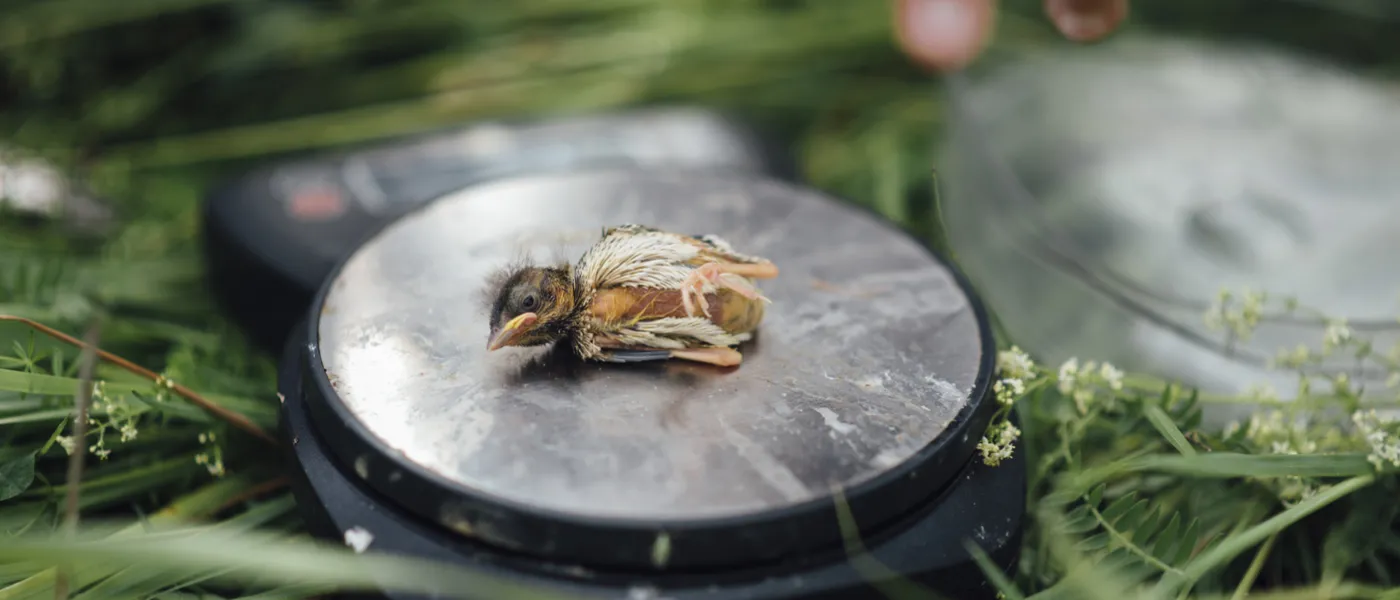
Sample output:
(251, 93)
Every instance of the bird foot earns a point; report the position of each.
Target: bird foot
(721, 357)
(719, 275)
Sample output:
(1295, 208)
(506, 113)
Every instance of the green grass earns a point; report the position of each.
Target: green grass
(151, 101)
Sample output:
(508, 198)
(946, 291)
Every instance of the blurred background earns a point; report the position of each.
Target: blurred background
(1100, 196)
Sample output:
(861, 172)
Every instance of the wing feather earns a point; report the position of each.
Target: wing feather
(676, 333)
(641, 256)
(636, 257)
(718, 249)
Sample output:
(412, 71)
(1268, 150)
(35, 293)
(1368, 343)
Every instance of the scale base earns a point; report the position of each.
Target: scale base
(983, 503)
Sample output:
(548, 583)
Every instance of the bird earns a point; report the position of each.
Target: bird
(638, 294)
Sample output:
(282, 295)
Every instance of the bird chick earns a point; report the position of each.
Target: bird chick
(638, 294)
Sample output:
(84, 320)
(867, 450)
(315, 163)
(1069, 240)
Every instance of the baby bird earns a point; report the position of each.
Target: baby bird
(639, 294)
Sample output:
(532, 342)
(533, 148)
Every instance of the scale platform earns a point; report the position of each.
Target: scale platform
(870, 376)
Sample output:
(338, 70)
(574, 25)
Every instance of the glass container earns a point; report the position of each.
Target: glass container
(1103, 196)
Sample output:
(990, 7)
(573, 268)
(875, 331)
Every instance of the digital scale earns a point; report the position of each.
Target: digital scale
(867, 382)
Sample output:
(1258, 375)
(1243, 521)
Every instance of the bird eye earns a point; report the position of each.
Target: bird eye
(528, 302)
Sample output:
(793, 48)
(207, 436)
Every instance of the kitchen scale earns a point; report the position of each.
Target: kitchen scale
(868, 381)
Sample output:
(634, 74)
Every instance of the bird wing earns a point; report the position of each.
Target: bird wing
(636, 256)
(641, 256)
(717, 249)
(653, 340)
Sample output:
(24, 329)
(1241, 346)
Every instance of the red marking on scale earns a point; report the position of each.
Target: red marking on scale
(317, 204)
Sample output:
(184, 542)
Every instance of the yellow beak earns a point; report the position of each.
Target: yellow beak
(510, 331)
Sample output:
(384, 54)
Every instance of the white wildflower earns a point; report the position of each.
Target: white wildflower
(1112, 376)
(1247, 319)
(67, 442)
(1015, 364)
(999, 444)
(989, 452)
(1380, 436)
(1215, 313)
(1009, 433)
(1008, 390)
(1082, 398)
(128, 432)
(1262, 393)
(1242, 320)
(1068, 372)
(1336, 335)
(1294, 358)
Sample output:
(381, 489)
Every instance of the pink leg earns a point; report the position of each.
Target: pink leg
(720, 357)
(717, 275)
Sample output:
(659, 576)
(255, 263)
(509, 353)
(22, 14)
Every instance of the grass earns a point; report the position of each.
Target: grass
(151, 101)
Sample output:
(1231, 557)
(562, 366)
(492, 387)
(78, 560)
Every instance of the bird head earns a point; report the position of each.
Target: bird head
(531, 307)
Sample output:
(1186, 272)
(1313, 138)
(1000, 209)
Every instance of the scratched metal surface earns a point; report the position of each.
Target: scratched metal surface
(868, 350)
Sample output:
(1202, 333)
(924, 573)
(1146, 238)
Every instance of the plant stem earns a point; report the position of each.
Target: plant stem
(233, 418)
(76, 459)
(1126, 543)
(1255, 567)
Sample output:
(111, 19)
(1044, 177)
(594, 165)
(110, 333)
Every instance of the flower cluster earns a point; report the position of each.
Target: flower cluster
(1239, 319)
(1017, 372)
(1275, 432)
(1382, 435)
(1015, 367)
(1083, 382)
(213, 458)
(999, 443)
(108, 414)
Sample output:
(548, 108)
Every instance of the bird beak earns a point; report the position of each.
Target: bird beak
(511, 330)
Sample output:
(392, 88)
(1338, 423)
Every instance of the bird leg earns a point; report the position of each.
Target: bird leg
(723, 275)
(721, 357)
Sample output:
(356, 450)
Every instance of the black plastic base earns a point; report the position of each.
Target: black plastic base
(982, 504)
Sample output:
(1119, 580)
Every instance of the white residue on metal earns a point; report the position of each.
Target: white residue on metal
(834, 421)
(888, 457)
(946, 392)
(358, 538)
(873, 382)
(769, 467)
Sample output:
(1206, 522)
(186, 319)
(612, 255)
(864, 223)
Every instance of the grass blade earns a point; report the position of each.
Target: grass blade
(1217, 555)
(247, 557)
(994, 573)
(1165, 426)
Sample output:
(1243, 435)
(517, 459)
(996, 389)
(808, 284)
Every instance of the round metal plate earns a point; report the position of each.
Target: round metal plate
(870, 351)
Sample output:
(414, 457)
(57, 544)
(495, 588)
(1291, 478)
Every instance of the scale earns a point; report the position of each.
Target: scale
(869, 376)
